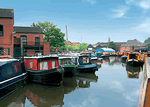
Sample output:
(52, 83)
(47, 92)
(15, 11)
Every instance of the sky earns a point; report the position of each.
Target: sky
(92, 20)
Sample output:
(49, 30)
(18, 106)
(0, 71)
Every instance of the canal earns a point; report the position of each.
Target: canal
(113, 85)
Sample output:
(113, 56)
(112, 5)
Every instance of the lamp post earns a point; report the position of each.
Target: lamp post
(39, 38)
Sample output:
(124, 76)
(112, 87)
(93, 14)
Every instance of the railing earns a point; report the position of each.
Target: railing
(32, 43)
(5, 51)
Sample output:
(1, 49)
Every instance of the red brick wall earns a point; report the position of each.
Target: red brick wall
(30, 53)
(122, 49)
(6, 41)
(46, 48)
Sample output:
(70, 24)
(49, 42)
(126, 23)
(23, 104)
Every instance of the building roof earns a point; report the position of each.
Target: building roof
(134, 42)
(6, 13)
(20, 29)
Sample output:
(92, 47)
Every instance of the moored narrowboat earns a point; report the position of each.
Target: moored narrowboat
(12, 76)
(85, 64)
(44, 69)
(133, 59)
(68, 63)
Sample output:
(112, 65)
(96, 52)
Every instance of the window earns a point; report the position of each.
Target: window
(85, 60)
(36, 41)
(1, 30)
(43, 66)
(53, 64)
(31, 64)
(23, 39)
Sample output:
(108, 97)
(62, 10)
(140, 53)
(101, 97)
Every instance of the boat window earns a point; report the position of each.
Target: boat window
(43, 66)
(7, 70)
(132, 56)
(31, 64)
(85, 60)
(53, 64)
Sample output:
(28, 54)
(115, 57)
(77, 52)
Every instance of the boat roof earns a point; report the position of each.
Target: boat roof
(65, 57)
(6, 60)
(40, 57)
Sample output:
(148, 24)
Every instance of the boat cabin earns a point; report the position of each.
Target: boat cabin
(66, 61)
(133, 56)
(84, 60)
(86, 53)
(41, 63)
(10, 68)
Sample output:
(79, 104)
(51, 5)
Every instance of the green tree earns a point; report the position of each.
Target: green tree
(148, 45)
(52, 34)
(82, 47)
(111, 45)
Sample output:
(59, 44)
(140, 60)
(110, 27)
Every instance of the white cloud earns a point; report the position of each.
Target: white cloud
(117, 86)
(120, 12)
(144, 4)
(91, 101)
(129, 1)
(91, 1)
(143, 27)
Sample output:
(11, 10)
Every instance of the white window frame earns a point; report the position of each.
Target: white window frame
(53, 64)
(44, 65)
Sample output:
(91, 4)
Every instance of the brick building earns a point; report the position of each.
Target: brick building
(16, 40)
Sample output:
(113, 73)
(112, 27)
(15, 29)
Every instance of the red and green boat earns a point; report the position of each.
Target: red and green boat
(44, 70)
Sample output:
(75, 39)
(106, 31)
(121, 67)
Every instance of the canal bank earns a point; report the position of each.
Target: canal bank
(145, 85)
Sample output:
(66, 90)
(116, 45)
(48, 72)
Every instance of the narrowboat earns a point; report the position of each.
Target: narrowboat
(133, 59)
(85, 64)
(44, 70)
(45, 96)
(133, 72)
(69, 65)
(12, 76)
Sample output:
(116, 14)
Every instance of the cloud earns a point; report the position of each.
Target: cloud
(129, 1)
(91, 101)
(143, 27)
(91, 1)
(144, 4)
(120, 12)
(117, 86)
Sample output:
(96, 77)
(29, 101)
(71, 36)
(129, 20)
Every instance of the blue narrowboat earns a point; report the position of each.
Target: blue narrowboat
(12, 75)
(85, 64)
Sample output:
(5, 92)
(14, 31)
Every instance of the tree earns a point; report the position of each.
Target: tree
(49, 30)
(111, 45)
(82, 47)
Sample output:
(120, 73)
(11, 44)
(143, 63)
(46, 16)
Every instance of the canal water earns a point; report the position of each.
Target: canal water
(113, 85)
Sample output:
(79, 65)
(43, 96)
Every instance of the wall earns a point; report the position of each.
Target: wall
(125, 48)
(6, 41)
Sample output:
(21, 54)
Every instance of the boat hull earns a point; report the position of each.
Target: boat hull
(69, 71)
(135, 63)
(52, 76)
(87, 68)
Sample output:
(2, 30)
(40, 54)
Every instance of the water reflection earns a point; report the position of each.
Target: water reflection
(44, 96)
(115, 60)
(133, 72)
(84, 79)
